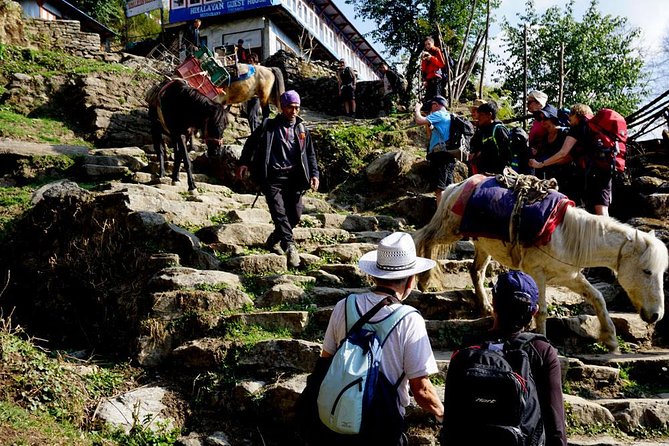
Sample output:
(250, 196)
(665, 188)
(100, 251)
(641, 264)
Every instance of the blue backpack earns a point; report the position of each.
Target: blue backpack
(355, 397)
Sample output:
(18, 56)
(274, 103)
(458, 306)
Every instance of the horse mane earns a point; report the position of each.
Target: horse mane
(583, 232)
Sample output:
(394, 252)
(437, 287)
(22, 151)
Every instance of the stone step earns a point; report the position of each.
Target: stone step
(647, 366)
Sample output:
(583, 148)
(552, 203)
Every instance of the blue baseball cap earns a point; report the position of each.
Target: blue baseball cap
(516, 287)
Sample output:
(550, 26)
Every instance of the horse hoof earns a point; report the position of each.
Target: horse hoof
(175, 182)
(193, 193)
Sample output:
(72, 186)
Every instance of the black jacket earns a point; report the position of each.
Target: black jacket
(257, 149)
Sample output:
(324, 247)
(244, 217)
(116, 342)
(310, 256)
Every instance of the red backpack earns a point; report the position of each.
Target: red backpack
(609, 139)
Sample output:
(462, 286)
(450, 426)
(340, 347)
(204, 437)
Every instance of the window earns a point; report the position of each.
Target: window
(194, 2)
(176, 4)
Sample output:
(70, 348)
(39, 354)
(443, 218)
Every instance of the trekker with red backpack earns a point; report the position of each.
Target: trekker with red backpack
(506, 391)
(598, 143)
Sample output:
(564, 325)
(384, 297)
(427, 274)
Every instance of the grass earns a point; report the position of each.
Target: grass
(19, 426)
(40, 130)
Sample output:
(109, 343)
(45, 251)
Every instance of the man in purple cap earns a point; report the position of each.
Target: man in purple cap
(281, 158)
(515, 301)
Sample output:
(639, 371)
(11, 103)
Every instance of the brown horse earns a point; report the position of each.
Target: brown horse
(265, 84)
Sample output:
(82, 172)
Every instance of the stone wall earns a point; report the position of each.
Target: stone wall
(64, 35)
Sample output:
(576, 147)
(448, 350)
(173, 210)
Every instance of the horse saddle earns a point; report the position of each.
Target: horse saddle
(240, 72)
(490, 208)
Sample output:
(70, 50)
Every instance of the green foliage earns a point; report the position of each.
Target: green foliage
(14, 201)
(141, 434)
(602, 66)
(402, 25)
(21, 427)
(104, 381)
(251, 334)
(38, 383)
(48, 63)
(222, 218)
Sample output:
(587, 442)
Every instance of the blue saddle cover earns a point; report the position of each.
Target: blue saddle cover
(488, 213)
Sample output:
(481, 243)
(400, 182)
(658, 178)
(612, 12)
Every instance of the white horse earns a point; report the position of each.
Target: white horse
(581, 240)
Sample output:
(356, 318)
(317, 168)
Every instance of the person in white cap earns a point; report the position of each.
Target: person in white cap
(536, 100)
(407, 355)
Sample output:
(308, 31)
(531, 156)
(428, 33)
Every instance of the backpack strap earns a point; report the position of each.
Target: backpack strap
(523, 341)
(382, 328)
(354, 321)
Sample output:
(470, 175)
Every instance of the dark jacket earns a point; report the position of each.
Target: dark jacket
(491, 148)
(256, 152)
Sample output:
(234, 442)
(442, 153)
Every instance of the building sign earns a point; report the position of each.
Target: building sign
(136, 7)
(180, 12)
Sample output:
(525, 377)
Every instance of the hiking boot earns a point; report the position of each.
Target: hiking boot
(274, 245)
(293, 256)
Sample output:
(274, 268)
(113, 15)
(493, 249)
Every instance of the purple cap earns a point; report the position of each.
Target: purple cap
(290, 97)
(516, 286)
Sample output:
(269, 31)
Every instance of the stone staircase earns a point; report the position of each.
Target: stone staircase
(216, 283)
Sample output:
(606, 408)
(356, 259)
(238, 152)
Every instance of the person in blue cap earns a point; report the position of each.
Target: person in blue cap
(281, 158)
(515, 302)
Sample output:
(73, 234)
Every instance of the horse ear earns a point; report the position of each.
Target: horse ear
(651, 232)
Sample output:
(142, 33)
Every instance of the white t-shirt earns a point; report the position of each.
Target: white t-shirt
(407, 348)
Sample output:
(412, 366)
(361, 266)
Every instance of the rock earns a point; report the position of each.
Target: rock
(245, 393)
(389, 166)
(643, 413)
(182, 277)
(350, 274)
(192, 439)
(281, 354)
(202, 354)
(586, 413)
(658, 205)
(170, 305)
(344, 253)
(293, 321)
(632, 328)
(325, 279)
(217, 439)
(244, 234)
(324, 296)
(256, 264)
(250, 216)
(449, 334)
(148, 403)
(282, 397)
(418, 209)
(281, 293)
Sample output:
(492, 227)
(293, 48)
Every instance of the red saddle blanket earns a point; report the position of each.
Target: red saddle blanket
(486, 208)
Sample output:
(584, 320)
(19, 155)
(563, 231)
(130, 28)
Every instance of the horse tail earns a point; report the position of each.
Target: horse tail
(278, 88)
(435, 239)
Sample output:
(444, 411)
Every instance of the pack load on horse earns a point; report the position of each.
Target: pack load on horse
(227, 82)
(565, 240)
(178, 110)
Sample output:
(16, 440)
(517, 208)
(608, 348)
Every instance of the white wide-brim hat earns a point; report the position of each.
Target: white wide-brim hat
(395, 258)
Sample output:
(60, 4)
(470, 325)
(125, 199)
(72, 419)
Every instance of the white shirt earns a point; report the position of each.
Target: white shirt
(407, 348)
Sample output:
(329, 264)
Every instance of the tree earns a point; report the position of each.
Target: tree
(602, 68)
(402, 26)
(111, 13)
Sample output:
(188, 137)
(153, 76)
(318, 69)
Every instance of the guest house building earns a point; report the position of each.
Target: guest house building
(314, 29)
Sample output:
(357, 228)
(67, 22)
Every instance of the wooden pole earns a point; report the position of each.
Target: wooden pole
(525, 76)
(561, 93)
(485, 50)
(448, 67)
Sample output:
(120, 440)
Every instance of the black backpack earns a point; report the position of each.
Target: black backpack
(491, 397)
(461, 133)
(347, 76)
(520, 150)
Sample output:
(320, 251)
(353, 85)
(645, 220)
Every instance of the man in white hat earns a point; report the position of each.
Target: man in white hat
(407, 355)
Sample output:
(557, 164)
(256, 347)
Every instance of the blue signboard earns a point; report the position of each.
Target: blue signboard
(216, 8)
